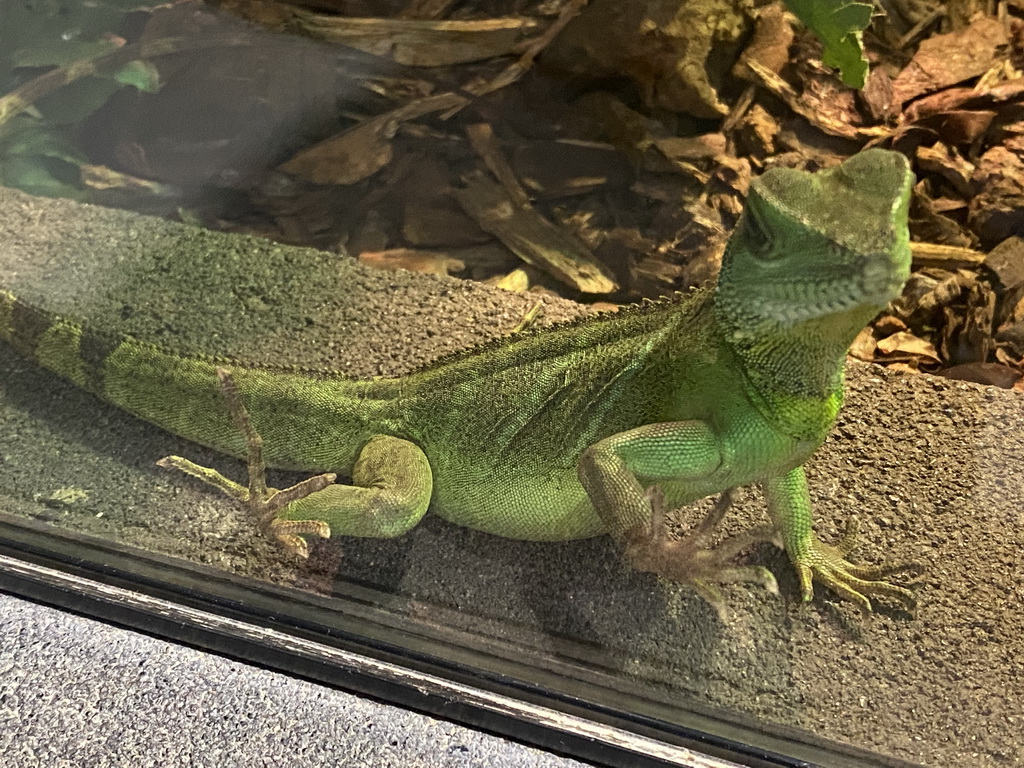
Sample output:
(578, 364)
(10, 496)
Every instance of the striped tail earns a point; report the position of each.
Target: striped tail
(56, 343)
(144, 379)
(309, 419)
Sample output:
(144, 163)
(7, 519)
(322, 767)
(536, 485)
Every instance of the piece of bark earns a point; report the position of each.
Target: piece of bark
(530, 50)
(960, 12)
(427, 9)
(828, 121)
(417, 42)
(769, 45)
(607, 118)
(563, 168)
(656, 276)
(945, 60)
(531, 237)
(927, 295)
(430, 217)
(516, 281)
(953, 99)
(992, 374)
(667, 48)
(364, 149)
(969, 339)
(425, 262)
(706, 146)
(1007, 261)
(947, 163)
(439, 222)
(485, 144)
(949, 257)
(876, 95)
(997, 207)
(930, 225)
(758, 131)
(961, 127)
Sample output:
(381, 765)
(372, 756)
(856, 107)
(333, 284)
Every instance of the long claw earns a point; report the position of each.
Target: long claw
(859, 583)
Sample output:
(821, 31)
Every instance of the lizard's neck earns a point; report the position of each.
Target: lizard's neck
(795, 375)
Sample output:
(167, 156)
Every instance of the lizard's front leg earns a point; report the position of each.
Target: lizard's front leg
(634, 515)
(390, 492)
(789, 504)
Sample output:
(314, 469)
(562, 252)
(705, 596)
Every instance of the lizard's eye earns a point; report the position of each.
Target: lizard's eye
(756, 235)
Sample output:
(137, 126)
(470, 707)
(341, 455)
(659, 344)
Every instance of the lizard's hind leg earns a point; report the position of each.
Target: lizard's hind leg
(391, 489)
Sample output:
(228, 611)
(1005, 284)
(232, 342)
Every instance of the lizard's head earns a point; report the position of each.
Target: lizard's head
(825, 248)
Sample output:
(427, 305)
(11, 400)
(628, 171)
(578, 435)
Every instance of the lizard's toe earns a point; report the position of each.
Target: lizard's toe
(689, 561)
(291, 534)
(828, 565)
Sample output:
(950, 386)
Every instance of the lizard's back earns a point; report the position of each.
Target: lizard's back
(502, 425)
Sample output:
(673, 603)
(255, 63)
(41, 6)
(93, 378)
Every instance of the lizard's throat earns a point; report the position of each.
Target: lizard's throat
(804, 360)
(796, 383)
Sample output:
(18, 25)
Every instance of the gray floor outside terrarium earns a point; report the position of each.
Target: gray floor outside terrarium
(76, 692)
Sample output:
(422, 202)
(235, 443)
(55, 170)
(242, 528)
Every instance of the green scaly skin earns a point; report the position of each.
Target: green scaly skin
(580, 429)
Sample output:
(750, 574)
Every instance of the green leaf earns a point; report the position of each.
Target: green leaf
(39, 175)
(839, 24)
(44, 33)
(27, 137)
(140, 74)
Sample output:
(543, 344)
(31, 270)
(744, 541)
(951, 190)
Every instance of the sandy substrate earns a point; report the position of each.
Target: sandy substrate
(931, 467)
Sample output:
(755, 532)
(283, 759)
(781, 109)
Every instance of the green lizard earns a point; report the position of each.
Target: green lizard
(580, 429)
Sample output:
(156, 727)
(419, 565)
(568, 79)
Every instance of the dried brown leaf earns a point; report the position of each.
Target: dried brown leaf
(906, 346)
(888, 324)
(864, 345)
(425, 262)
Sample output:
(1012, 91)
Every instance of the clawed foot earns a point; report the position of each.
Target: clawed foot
(263, 502)
(859, 583)
(687, 560)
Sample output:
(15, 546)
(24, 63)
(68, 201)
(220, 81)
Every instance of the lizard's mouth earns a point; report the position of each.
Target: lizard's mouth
(795, 301)
(880, 281)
